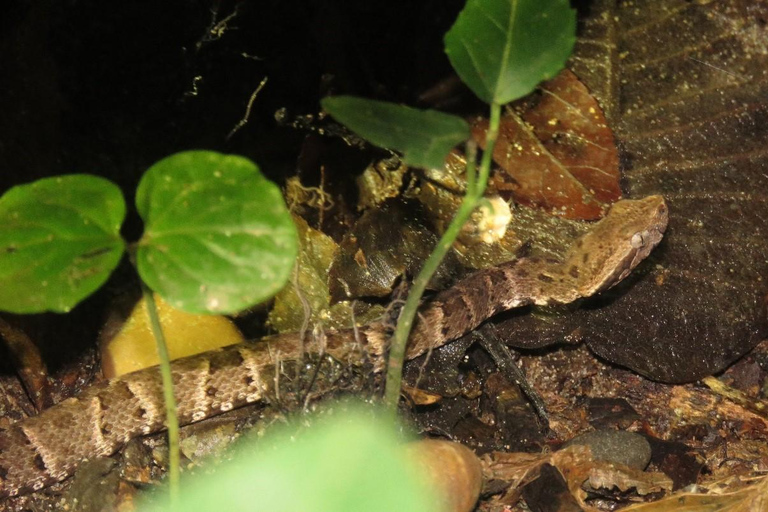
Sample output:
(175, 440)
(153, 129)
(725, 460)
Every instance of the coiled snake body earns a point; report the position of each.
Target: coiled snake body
(47, 448)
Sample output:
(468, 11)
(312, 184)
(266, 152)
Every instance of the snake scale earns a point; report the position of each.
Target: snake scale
(47, 448)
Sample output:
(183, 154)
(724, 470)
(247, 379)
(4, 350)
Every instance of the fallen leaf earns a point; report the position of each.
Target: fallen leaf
(577, 466)
(556, 151)
(753, 498)
(421, 397)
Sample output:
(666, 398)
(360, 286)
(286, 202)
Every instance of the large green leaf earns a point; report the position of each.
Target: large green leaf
(218, 237)
(59, 241)
(350, 463)
(424, 137)
(502, 48)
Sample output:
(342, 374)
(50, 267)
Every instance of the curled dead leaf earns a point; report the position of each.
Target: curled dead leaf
(752, 498)
(577, 467)
(418, 396)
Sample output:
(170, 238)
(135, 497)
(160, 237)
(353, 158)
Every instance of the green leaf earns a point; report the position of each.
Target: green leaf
(59, 241)
(218, 237)
(348, 463)
(503, 48)
(424, 137)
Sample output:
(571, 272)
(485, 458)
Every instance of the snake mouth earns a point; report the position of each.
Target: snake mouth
(622, 270)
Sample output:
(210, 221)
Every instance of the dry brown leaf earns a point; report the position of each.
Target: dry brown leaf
(419, 396)
(576, 465)
(557, 151)
(753, 498)
(607, 476)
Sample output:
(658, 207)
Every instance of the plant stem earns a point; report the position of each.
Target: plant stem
(171, 419)
(475, 189)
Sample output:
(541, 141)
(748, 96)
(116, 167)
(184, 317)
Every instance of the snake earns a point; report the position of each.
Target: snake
(44, 449)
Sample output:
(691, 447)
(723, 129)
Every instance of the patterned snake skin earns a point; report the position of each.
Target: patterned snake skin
(47, 448)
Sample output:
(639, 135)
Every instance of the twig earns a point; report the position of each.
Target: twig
(319, 335)
(29, 364)
(305, 322)
(755, 405)
(505, 363)
(356, 332)
(217, 29)
(244, 120)
(423, 366)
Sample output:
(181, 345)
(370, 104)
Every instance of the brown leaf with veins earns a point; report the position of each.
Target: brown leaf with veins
(556, 151)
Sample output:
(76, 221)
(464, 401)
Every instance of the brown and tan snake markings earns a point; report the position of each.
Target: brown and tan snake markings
(47, 448)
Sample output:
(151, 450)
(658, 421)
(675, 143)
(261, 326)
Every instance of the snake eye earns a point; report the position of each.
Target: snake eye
(637, 241)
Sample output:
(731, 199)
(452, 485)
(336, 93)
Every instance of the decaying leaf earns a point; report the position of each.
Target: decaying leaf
(557, 151)
(127, 344)
(305, 302)
(381, 180)
(752, 498)
(383, 245)
(418, 396)
(606, 475)
(577, 467)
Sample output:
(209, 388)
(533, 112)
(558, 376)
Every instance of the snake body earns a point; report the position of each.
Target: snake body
(47, 448)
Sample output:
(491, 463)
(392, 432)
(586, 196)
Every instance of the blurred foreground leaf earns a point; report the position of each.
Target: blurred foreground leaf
(346, 463)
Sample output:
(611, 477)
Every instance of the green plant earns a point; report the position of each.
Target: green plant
(501, 49)
(218, 238)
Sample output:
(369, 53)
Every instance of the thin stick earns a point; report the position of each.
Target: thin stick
(304, 324)
(320, 357)
(244, 120)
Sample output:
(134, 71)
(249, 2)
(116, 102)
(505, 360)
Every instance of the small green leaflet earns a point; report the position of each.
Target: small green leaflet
(218, 237)
(503, 48)
(59, 241)
(424, 137)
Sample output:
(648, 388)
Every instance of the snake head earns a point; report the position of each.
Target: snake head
(619, 242)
